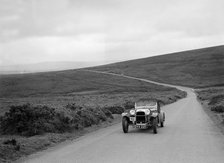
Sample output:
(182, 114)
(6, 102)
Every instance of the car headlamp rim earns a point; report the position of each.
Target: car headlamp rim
(132, 112)
(147, 111)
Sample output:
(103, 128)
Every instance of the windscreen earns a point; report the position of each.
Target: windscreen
(145, 103)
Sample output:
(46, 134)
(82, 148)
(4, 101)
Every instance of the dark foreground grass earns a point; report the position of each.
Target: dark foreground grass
(30, 145)
(29, 120)
(89, 92)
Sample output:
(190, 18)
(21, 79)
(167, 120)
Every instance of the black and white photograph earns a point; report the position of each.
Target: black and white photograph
(111, 81)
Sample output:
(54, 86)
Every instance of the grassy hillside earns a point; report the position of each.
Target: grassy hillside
(69, 83)
(59, 88)
(194, 68)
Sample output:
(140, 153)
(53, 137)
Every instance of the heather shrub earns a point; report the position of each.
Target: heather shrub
(61, 122)
(73, 106)
(107, 113)
(216, 99)
(10, 142)
(31, 120)
(115, 109)
(218, 108)
(129, 105)
(87, 116)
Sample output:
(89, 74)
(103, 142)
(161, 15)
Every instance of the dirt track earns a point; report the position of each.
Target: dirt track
(188, 136)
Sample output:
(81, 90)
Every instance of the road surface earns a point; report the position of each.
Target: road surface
(189, 136)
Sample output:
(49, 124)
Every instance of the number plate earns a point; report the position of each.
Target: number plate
(141, 126)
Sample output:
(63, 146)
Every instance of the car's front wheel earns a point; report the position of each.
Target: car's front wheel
(154, 125)
(125, 125)
(162, 122)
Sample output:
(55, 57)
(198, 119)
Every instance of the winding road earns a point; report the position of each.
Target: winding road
(189, 136)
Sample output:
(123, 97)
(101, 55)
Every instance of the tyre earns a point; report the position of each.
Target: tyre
(154, 125)
(162, 123)
(125, 125)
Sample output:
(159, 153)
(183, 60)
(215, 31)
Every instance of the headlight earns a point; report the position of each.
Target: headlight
(154, 114)
(132, 112)
(147, 111)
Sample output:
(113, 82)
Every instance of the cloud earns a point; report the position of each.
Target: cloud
(84, 24)
(9, 18)
(9, 33)
(198, 19)
(158, 44)
(54, 30)
(41, 49)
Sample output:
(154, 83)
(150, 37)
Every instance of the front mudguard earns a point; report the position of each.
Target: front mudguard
(126, 115)
(154, 114)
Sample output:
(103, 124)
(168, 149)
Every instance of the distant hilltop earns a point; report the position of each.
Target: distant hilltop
(45, 67)
(193, 68)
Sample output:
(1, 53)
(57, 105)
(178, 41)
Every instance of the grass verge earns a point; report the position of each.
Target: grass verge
(30, 145)
(212, 100)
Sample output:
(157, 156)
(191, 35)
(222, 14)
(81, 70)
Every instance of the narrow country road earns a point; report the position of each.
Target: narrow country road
(189, 136)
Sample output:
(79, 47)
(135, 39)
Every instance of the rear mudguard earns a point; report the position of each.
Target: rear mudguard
(161, 116)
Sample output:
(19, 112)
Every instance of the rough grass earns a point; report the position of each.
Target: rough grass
(195, 68)
(70, 83)
(57, 89)
(214, 98)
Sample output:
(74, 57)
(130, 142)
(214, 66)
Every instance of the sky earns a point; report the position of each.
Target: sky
(33, 31)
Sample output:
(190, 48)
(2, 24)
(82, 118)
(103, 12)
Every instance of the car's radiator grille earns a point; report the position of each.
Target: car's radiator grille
(140, 117)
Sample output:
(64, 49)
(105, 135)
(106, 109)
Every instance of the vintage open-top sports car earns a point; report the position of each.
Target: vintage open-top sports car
(146, 114)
